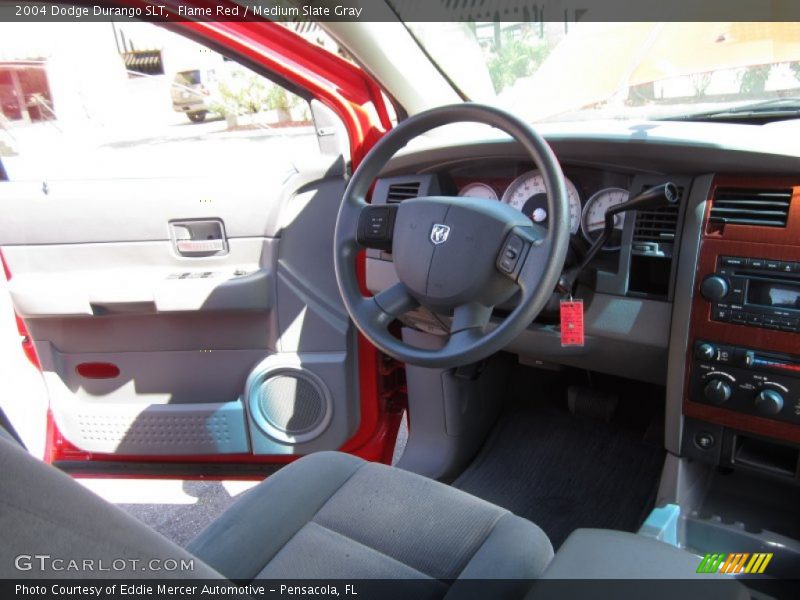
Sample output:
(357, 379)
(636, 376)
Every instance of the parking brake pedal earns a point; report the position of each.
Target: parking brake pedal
(591, 404)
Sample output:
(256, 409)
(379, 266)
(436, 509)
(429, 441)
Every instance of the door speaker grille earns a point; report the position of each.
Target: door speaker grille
(289, 405)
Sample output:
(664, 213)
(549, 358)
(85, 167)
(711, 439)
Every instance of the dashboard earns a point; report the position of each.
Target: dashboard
(626, 288)
(647, 305)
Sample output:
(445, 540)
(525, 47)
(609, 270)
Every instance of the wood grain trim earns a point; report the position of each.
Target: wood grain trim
(742, 240)
(779, 430)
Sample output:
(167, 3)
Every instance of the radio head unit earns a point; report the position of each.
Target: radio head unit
(756, 292)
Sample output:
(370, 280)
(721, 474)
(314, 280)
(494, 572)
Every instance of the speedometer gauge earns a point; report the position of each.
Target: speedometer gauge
(478, 190)
(528, 195)
(594, 216)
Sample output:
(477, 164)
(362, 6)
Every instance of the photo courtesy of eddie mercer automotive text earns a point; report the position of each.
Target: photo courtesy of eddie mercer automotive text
(170, 590)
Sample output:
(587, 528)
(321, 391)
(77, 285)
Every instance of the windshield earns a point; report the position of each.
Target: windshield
(569, 71)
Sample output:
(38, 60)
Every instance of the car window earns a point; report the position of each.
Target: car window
(99, 100)
(629, 70)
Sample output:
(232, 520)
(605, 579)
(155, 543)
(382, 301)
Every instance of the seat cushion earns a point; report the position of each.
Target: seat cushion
(44, 511)
(331, 515)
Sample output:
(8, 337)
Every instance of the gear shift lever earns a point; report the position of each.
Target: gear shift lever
(654, 197)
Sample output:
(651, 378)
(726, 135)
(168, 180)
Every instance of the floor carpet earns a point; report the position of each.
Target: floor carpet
(563, 472)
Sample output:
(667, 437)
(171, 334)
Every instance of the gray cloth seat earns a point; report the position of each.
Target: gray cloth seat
(328, 515)
(332, 515)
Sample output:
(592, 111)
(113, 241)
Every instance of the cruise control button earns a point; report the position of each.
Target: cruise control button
(509, 256)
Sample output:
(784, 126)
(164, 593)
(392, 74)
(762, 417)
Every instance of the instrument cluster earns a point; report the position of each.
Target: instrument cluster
(527, 194)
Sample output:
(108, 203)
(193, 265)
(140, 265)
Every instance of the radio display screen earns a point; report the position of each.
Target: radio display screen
(777, 295)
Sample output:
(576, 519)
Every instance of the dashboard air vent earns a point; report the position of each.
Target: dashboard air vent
(739, 206)
(657, 225)
(403, 191)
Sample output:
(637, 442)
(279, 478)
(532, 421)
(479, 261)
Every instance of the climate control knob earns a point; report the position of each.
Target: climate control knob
(714, 288)
(706, 352)
(717, 391)
(769, 402)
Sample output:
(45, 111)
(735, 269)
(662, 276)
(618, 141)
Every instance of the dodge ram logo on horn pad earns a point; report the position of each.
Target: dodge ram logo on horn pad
(439, 233)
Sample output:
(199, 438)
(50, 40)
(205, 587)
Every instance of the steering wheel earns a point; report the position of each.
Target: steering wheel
(452, 254)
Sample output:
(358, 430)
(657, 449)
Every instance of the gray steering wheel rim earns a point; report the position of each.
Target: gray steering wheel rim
(472, 346)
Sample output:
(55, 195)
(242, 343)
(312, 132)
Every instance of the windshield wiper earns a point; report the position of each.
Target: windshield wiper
(773, 109)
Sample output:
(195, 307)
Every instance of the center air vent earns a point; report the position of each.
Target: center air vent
(403, 191)
(763, 208)
(657, 225)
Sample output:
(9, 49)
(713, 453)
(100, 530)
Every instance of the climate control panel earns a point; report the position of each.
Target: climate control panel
(750, 381)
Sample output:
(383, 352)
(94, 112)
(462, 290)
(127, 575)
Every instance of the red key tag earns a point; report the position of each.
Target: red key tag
(572, 322)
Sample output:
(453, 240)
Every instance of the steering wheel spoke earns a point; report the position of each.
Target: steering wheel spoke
(395, 300)
(376, 226)
(470, 315)
(461, 340)
(534, 267)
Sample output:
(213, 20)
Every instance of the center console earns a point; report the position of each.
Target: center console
(741, 401)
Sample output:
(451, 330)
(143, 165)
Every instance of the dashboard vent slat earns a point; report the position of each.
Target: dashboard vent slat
(758, 207)
(657, 225)
(403, 191)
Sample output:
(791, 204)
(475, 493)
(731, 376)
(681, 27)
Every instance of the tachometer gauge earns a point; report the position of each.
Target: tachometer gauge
(594, 216)
(478, 190)
(528, 195)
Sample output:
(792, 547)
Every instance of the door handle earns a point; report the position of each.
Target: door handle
(198, 237)
(199, 246)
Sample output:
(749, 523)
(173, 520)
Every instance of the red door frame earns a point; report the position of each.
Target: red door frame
(359, 102)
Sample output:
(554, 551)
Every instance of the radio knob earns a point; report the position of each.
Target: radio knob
(769, 402)
(714, 288)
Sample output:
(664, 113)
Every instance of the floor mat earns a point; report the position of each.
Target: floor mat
(563, 472)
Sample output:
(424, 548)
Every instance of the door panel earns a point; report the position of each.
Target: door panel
(184, 333)
(177, 278)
